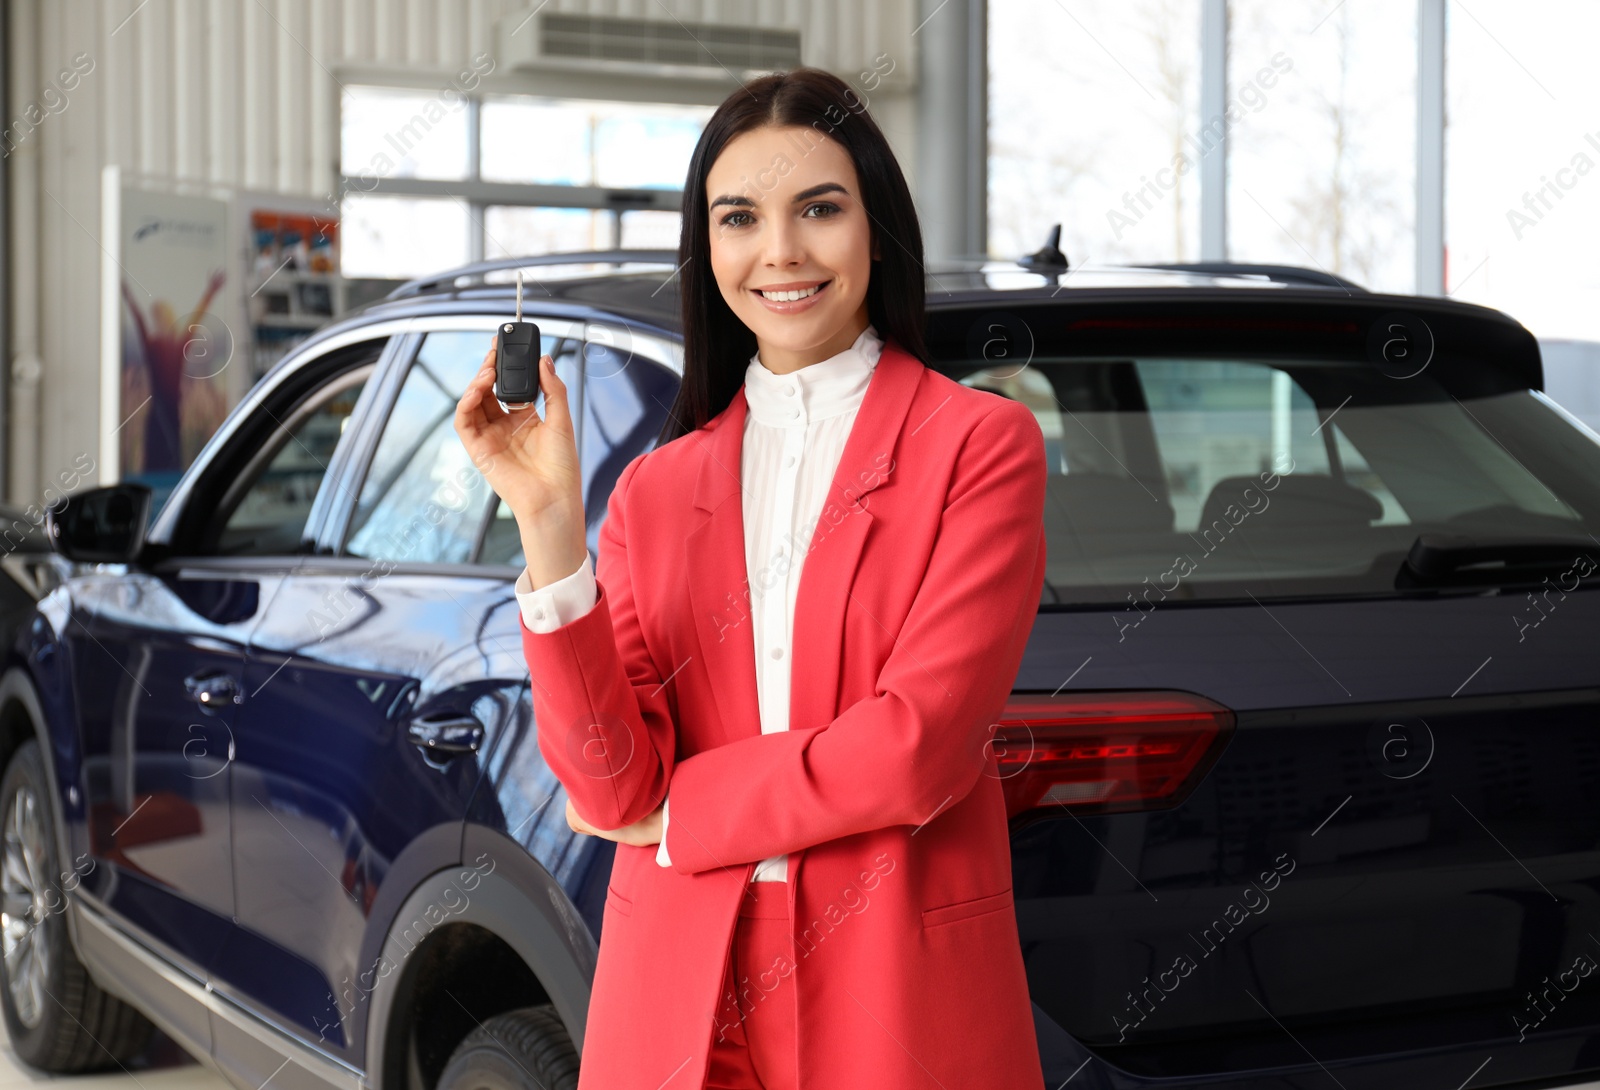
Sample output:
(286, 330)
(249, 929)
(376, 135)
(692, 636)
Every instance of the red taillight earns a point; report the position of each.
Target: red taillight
(1101, 752)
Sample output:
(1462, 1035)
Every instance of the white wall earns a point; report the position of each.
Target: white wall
(244, 94)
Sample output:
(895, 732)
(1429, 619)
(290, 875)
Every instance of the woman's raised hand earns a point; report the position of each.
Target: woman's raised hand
(532, 464)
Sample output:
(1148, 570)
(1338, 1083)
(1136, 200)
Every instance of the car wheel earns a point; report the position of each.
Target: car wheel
(519, 1050)
(58, 1019)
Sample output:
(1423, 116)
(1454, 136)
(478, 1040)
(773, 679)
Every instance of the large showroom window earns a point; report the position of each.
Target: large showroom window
(1322, 161)
(1343, 119)
(1100, 151)
(1522, 162)
(429, 183)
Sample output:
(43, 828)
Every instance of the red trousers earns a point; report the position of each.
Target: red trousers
(753, 1044)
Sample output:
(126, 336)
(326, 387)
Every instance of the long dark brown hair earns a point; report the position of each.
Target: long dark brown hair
(717, 346)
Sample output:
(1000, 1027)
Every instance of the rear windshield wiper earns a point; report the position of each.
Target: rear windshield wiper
(1437, 559)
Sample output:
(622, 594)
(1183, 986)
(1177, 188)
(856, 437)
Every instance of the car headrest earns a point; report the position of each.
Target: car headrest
(1079, 505)
(1299, 501)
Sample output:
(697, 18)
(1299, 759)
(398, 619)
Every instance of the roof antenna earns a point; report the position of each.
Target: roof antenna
(1048, 256)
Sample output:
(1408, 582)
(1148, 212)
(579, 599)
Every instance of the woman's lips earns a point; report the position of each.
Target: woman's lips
(797, 305)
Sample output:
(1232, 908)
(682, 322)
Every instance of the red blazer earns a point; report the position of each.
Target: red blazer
(915, 602)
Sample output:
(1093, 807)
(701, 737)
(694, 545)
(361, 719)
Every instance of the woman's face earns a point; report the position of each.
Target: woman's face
(791, 243)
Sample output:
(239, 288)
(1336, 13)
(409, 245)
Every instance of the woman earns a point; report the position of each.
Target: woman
(808, 439)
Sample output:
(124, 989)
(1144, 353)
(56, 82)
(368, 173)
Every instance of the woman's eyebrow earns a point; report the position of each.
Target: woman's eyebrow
(803, 195)
(818, 190)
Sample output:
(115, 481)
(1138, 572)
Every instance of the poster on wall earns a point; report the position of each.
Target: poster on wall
(293, 285)
(177, 269)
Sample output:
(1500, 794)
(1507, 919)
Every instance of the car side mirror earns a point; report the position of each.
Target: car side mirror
(100, 524)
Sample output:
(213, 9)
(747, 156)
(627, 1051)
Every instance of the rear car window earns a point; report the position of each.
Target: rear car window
(1205, 478)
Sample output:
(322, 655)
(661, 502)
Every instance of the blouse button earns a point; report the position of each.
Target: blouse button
(777, 652)
(789, 390)
(538, 614)
(789, 461)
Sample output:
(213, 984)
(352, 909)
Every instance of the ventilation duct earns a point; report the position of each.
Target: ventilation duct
(577, 42)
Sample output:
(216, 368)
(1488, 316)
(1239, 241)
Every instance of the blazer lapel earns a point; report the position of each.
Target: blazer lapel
(720, 586)
(720, 592)
(831, 562)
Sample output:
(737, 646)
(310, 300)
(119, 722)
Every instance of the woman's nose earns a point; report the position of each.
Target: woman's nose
(783, 247)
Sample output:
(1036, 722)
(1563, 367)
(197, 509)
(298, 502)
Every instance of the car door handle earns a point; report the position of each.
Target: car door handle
(445, 732)
(212, 690)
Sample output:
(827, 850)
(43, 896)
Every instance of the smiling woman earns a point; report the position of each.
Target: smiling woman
(731, 726)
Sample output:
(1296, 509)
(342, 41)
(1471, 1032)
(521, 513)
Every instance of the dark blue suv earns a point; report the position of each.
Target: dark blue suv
(1302, 766)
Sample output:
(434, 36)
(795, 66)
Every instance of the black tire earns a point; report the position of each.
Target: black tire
(525, 1049)
(75, 1026)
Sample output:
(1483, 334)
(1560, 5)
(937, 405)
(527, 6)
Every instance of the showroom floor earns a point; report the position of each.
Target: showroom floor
(166, 1067)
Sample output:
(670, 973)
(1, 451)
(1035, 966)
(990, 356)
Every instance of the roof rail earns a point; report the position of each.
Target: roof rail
(574, 257)
(1286, 274)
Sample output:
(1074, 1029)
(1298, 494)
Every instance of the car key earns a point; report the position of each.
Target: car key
(516, 359)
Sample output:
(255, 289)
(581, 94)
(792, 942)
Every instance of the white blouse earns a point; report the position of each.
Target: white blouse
(794, 436)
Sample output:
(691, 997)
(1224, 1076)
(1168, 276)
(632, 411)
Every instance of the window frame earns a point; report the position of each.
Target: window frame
(172, 539)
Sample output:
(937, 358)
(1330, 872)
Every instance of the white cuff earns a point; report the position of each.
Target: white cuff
(560, 603)
(661, 849)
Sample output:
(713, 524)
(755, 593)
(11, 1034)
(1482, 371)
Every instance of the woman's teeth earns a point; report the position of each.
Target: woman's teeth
(789, 296)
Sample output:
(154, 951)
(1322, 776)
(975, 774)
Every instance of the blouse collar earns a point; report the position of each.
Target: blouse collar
(818, 390)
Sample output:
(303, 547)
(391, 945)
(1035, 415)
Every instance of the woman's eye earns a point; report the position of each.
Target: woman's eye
(735, 219)
(823, 209)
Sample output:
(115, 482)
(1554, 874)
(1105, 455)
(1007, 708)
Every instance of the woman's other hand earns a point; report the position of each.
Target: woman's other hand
(532, 464)
(642, 833)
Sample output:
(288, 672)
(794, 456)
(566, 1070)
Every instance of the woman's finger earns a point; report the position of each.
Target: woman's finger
(581, 826)
(481, 384)
(576, 821)
(492, 411)
(469, 412)
(555, 395)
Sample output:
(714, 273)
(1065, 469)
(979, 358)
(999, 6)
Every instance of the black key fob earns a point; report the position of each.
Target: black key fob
(516, 359)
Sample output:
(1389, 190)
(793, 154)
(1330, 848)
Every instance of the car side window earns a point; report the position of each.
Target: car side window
(503, 543)
(627, 398)
(625, 404)
(423, 501)
(269, 516)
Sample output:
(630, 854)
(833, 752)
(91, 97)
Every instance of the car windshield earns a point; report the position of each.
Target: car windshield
(1187, 478)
